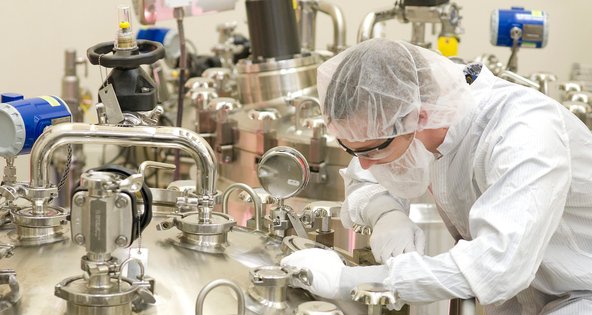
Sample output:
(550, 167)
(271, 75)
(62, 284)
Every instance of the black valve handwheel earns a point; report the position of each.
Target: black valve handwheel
(148, 52)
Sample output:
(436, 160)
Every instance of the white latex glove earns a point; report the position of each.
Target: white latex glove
(394, 234)
(325, 266)
(365, 199)
(331, 279)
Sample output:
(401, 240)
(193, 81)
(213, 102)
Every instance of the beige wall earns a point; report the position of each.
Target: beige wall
(36, 32)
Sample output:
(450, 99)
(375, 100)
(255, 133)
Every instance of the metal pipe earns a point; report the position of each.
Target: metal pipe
(306, 16)
(339, 30)
(201, 297)
(161, 137)
(254, 197)
(366, 30)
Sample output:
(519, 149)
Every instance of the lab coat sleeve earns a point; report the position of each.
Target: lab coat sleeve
(366, 200)
(526, 177)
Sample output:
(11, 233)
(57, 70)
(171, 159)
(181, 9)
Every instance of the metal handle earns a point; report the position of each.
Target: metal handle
(254, 198)
(151, 164)
(133, 183)
(201, 297)
(302, 102)
(303, 275)
(126, 262)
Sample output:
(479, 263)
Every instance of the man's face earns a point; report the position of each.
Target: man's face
(371, 152)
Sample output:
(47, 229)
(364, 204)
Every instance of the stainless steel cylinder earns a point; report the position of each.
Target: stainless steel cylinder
(272, 29)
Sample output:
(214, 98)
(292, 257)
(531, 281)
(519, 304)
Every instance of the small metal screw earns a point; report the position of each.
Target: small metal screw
(121, 240)
(79, 200)
(121, 202)
(79, 239)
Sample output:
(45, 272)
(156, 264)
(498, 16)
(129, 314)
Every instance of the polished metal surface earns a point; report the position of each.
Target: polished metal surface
(318, 308)
(179, 273)
(262, 84)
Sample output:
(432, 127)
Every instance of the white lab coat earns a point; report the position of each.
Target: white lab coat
(514, 186)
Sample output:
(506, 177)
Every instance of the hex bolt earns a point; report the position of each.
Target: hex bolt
(79, 239)
(121, 202)
(121, 241)
(79, 200)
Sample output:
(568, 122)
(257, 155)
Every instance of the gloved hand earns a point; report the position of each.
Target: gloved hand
(394, 234)
(331, 279)
(365, 199)
(325, 266)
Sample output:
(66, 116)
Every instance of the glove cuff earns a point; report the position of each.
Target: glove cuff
(353, 276)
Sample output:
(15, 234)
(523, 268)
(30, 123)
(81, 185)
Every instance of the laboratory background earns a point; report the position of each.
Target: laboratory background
(125, 191)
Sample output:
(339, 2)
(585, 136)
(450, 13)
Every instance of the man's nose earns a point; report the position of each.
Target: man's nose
(365, 163)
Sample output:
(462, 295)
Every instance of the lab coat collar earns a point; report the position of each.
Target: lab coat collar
(481, 92)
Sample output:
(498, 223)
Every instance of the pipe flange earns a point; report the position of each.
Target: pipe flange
(54, 216)
(204, 237)
(220, 224)
(247, 66)
(75, 291)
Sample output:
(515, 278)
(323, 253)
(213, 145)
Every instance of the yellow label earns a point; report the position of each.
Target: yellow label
(52, 101)
(448, 46)
(295, 4)
(537, 13)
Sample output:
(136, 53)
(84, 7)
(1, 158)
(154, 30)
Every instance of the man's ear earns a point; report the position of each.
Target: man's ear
(423, 120)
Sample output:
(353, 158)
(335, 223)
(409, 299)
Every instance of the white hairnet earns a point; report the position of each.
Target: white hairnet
(375, 90)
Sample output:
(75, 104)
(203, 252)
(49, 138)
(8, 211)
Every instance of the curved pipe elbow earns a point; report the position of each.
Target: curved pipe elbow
(339, 28)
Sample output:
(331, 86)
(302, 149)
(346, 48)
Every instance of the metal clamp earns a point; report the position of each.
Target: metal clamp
(6, 250)
(375, 295)
(8, 277)
(302, 275)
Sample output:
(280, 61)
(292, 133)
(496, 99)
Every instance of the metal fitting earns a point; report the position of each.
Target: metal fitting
(121, 202)
(79, 239)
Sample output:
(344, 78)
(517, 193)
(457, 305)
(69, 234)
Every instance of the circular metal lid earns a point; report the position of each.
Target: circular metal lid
(283, 172)
(318, 308)
(269, 273)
